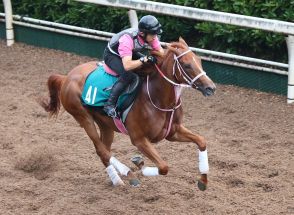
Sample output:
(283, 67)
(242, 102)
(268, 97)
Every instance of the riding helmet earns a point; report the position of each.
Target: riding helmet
(149, 24)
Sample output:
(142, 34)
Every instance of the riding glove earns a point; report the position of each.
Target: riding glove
(151, 59)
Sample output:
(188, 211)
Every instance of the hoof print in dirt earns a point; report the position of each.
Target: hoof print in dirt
(39, 163)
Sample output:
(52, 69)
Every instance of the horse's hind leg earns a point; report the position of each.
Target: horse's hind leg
(87, 122)
(106, 136)
(185, 135)
(102, 150)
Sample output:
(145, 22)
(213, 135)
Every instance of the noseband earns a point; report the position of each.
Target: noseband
(190, 82)
(186, 77)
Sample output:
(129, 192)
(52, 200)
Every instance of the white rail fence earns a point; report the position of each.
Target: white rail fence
(286, 28)
(8, 21)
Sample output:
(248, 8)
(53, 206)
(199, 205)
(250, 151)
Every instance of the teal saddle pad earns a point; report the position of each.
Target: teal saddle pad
(97, 89)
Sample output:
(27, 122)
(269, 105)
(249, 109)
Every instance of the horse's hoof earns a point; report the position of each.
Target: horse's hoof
(138, 161)
(201, 185)
(134, 182)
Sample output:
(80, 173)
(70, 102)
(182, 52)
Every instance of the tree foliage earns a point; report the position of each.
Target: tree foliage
(208, 35)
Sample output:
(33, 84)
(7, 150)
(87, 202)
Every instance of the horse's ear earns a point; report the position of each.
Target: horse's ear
(173, 49)
(181, 40)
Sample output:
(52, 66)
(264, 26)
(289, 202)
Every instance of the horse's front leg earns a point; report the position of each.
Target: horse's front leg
(149, 151)
(185, 135)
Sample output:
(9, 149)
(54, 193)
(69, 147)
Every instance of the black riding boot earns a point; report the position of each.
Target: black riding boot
(116, 91)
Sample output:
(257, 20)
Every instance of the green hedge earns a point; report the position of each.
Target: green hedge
(206, 35)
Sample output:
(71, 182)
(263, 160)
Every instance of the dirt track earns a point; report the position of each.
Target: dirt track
(50, 166)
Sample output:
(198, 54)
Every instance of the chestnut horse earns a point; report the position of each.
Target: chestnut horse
(156, 113)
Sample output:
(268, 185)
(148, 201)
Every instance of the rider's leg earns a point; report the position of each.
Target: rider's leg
(121, 84)
(125, 78)
(116, 91)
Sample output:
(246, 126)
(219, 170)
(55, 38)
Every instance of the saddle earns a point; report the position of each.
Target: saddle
(97, 89)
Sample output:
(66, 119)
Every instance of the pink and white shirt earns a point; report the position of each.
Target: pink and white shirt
(126, 46)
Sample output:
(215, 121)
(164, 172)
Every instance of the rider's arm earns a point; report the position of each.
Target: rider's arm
(125, 50)
(155, 44)
(130, 64)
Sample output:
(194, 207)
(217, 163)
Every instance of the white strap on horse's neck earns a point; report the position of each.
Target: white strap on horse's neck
(178, 90)
(161, 109)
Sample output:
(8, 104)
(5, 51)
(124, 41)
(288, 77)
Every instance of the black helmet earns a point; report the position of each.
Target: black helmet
(149, 24)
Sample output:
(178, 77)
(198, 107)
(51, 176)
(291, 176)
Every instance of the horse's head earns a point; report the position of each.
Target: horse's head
(187, 68)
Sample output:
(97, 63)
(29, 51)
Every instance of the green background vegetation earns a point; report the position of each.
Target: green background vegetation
(219, 37)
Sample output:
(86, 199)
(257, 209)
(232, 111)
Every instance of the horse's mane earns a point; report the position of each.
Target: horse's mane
(173, 46)
(170, 48)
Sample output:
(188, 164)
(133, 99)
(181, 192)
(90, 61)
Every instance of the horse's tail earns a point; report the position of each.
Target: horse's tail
(52, 105)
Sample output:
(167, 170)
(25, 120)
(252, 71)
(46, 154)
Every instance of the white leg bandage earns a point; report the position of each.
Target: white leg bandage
(121, 168)
(114, 177)
(203, 162)
(150, 171)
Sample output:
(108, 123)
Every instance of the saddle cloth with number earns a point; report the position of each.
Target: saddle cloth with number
(97, 89)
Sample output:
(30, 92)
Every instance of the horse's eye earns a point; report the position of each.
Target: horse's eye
(187, 66)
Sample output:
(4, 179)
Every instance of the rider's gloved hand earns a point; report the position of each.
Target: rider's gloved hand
(151, 59)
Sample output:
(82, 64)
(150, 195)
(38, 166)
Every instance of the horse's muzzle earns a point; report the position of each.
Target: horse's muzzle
(207, 91)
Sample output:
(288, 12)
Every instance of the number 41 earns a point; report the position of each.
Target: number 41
(89, 93)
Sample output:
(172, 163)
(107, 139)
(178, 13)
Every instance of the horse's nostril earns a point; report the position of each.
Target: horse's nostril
(209, 91)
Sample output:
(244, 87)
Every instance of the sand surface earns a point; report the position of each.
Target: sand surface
(50, 166)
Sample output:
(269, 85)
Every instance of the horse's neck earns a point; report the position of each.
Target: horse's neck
(162, 92)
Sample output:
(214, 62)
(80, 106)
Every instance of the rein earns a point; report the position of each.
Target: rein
(177, 86)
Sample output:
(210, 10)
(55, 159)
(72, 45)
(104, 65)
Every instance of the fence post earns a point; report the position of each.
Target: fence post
(8, 21)
(133, 18)
(290, 44)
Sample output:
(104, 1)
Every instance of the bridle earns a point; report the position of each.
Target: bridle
(190, 81)
(177, 86)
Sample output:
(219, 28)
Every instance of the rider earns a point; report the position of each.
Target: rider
(122, 55)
